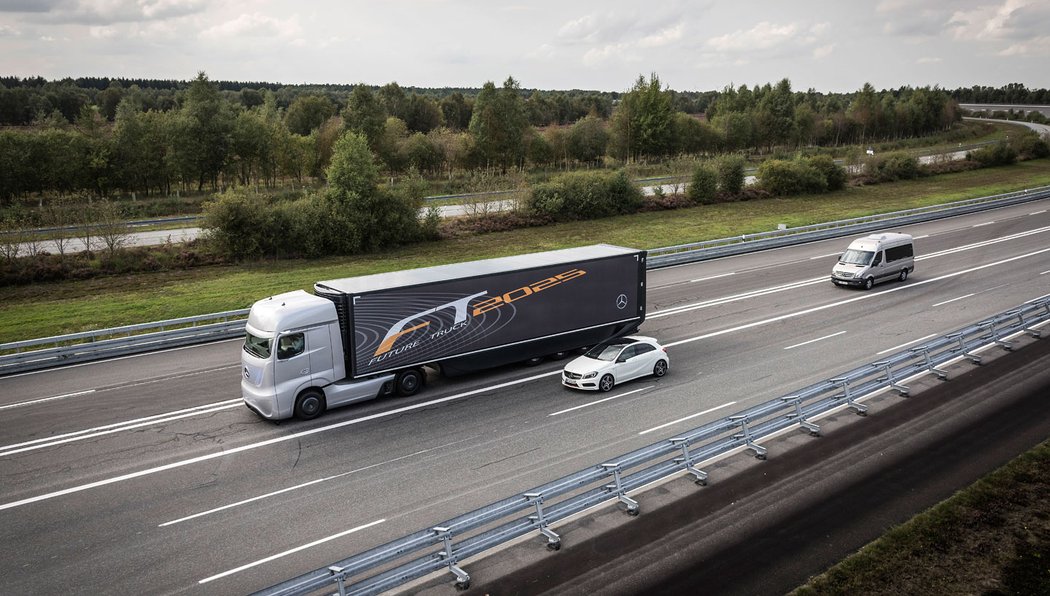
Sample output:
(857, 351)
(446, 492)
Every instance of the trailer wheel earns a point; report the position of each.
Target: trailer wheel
(309, 405)
(408, 382)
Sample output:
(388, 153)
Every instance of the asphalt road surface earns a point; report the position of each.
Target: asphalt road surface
(148, 475)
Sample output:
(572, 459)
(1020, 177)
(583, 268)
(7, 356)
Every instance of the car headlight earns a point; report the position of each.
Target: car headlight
(590, 375)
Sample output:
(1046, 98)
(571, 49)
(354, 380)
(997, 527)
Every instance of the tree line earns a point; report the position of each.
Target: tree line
(204, 138)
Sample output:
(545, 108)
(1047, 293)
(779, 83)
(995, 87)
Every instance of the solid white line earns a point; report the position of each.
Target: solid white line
(814, 340)
(898, 348)
(43, 399)
(1038, 212)
(952, 300)
(712, 277)
(117, 358)
(289, 552)
(594, 403)
(987, 223)
(719, 301)
(656, 428)
(921, 237)
(1045, 272)
(834, 254)
(274, 441)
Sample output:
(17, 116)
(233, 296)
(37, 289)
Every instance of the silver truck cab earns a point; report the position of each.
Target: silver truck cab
(874, 259)
(292, 359)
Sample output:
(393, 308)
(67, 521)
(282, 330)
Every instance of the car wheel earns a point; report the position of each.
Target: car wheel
(660, 369)
(606, 384)
(869, 283)
(408, 382)
(310, 404)
(904, 275)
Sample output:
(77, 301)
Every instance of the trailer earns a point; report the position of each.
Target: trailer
(365, 337)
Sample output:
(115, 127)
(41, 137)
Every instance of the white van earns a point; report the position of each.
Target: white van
(873, 259)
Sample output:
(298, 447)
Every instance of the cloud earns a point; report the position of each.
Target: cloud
(823, 51)
(662, 38)
(929, 60)
(762, 36)
(254, 25)
(103, 12)
(6, 31)
(103, 32)
(1039, 46)
(986, 22)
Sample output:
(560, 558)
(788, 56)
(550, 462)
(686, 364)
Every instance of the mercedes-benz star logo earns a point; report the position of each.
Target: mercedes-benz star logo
(247, 373)
(621, 301)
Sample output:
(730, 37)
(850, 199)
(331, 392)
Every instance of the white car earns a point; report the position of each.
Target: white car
(617, 361)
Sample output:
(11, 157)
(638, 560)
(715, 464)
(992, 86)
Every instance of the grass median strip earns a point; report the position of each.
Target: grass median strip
(48, 309)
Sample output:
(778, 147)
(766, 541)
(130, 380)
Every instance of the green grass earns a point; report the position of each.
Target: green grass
(44, 310)
(990, 538)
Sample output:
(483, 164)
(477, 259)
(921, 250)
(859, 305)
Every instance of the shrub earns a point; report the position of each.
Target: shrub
(1031, 146)
(731, 174)
(891, 167)
(835, 176)
(704, 186)
(585, 195)
(790, 177)
(1000, 154)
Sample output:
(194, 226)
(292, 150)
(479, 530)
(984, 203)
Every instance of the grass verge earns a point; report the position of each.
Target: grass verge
(44, 310)
(990, 538)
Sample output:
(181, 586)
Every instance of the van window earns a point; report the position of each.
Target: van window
(856, 257)
(897, 253)
(878, 258)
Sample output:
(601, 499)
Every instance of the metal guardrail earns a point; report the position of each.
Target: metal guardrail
(84, 347)
(443, 546)
(28, 355)
(735, 245)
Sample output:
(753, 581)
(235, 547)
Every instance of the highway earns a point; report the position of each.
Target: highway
(147, 474)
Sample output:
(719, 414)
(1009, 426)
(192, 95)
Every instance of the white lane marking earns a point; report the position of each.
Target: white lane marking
(43, 399)
(814, 340)
(921, 237)
(1045, 272)
(952, 300)
(983, 243)
(289, 552)
(303, 485)
(674, 310)
(987, 223)
(904, 345)
(117, 358)
(109, 429)
(1038, 212)
(834, 254)
(865, 296)
(712, 277)
(689, 417)
(596, 402)
(273, 441)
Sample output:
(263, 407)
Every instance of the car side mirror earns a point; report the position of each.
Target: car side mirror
(621, 359)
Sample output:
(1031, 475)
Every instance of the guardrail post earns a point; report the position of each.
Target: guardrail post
(997, 336)
(462, 578)
(902, 390)
(814, 430)
(974, 358)
(553, 540)
(760, 451)
(929, 363)
(340, 578)
(860, 409)
(700, 475)
(632, 505)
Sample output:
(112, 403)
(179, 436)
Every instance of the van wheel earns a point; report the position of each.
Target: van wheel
(869, 283)
(904, 275)
(408, 382)
(310, 404)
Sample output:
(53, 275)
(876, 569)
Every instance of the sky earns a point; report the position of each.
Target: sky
(830, 46)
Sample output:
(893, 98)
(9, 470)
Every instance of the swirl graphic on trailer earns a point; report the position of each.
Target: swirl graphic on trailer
(396, 329)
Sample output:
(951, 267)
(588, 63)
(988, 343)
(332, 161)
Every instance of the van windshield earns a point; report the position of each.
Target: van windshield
(257, 346)
(856, 257)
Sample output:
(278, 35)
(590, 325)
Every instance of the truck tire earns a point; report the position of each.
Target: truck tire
(309, 405)
(408, 382)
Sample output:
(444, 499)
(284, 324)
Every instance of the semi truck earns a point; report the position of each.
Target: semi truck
(360, 338)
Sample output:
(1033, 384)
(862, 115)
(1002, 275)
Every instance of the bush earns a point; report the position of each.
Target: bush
(790, 177)
(241, 225)
(891, 167)
(704, 186)
(834, 175)
(1000, 154)
(1031, 146)
(585, 195)
(731, 174)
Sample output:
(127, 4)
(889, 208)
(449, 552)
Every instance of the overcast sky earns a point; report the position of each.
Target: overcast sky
(546, 44)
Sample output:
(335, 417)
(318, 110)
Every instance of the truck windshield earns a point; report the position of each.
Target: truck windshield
(856, 257)
(257, 346)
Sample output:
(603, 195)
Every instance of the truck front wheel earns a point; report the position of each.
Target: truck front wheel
(310, 404)
(408, 382)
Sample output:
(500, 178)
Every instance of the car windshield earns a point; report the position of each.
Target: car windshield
(856, 257)
(257, 346)
(605, 352)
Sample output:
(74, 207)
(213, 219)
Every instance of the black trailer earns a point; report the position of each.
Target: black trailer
(480, 314)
